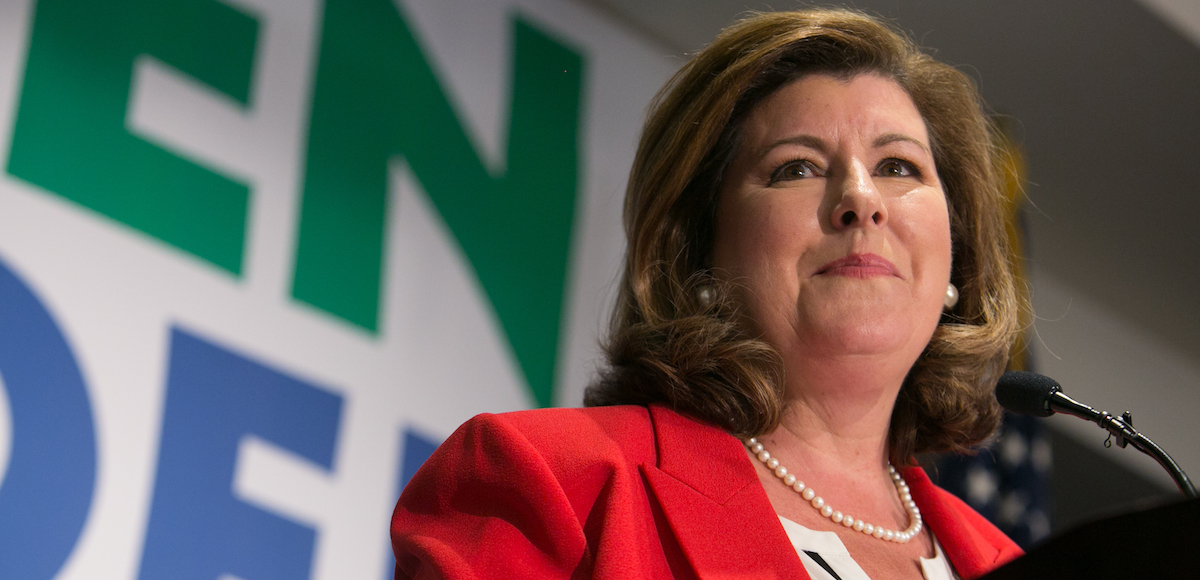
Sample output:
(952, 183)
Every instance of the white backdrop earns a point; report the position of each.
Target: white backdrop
(320, 409)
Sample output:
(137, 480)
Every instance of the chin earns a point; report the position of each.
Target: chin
(867, 343)
(873, 335)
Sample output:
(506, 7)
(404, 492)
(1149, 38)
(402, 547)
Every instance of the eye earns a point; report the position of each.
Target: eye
(792, 170)
(896, 168)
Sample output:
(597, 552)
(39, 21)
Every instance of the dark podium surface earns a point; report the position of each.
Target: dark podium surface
(1161, 542)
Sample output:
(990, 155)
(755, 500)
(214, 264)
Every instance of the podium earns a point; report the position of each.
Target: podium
(1161, 542)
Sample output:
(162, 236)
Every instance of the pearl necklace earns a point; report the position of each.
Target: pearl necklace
(914, 515)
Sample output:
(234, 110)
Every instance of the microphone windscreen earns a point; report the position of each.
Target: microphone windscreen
(1026, 393)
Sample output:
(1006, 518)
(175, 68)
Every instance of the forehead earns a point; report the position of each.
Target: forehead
(862, 107)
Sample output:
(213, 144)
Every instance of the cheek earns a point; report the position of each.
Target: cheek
(941, 239)
(933, 243)
(937, 243)
(760, 239)
(738, 237)
(925, 225)
(756, 247)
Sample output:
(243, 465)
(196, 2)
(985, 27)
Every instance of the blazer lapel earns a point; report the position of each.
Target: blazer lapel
(971, 555)
(712, 500)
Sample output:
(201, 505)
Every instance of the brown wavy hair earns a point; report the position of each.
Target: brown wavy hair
(675, 336)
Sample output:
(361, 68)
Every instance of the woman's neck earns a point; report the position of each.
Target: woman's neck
(838, 410)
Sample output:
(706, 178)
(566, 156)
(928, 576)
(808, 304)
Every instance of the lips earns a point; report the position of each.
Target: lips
(859, 266)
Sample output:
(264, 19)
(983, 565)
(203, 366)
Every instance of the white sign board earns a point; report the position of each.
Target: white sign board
(258, 257)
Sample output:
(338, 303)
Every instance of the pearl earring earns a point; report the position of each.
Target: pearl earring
(951, 296)
(706, 295)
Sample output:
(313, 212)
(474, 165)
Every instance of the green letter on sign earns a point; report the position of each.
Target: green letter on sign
(375, 98)
(70, 136)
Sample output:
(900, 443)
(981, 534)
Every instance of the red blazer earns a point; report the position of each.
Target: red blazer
(620, 493)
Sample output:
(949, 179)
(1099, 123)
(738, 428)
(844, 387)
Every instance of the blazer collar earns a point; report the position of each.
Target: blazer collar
(971, 555)
(725, 525)
(712, 499)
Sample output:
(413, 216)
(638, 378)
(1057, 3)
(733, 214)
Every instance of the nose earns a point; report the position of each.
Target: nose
(856, 200)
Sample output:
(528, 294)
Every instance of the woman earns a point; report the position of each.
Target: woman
(816, 289)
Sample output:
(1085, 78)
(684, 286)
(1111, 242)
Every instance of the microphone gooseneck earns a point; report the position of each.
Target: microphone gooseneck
(1041, 396)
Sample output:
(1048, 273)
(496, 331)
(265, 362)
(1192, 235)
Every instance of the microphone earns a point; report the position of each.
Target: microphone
(1041, 396)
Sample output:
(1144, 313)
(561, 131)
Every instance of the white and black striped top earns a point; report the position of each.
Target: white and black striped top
(825, 557)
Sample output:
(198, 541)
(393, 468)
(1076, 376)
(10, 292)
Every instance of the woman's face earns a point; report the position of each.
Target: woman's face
(832, 221)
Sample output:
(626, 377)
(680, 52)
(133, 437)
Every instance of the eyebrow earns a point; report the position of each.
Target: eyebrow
(888, 138)
(810, 141)
(819, 144)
